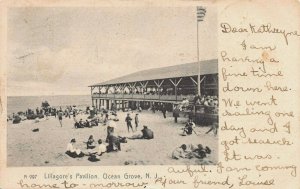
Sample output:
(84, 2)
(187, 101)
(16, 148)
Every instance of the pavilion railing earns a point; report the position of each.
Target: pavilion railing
(168, 97)
(127, 96)
(144, 96)
(119, 96)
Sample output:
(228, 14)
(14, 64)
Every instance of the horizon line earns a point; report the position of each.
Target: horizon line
(50, 95)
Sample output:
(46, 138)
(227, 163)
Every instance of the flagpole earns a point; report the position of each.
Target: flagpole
(199, 92)
(200, 17)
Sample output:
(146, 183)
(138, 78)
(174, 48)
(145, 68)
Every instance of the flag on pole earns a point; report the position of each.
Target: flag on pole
(200, 13)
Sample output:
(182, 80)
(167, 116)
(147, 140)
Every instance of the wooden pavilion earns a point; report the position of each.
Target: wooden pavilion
(154, 87)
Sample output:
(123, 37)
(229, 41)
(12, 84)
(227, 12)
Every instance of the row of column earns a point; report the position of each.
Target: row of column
(122, 104)
(109, 104)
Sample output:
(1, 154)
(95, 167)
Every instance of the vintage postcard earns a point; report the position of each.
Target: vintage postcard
(149, 94)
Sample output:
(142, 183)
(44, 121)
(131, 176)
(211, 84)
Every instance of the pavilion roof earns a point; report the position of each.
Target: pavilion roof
(181, 70)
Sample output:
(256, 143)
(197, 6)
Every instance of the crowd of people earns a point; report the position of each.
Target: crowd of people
(112, 143)
(210, 103)
(190, 151)
(44, 111)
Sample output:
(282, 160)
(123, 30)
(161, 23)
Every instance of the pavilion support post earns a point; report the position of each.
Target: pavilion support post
(122, 88)
(132, 87)
(195, 82)
(175, 83)
(107, 104)
(112, 104)
(144, 85)
(99, 89)
(106, 89)
(175, 91)
(92, 95)
(92, 88)
(158, 85)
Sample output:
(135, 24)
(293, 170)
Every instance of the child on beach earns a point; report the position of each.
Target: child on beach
(189, 128)
(105, 119)
(101, 148)
(90, 143)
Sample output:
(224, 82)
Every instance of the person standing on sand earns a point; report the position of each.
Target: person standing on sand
(164, 110)
(176, 113)
(60, 115)
(105, 119)
(74, 115)
(128, 122)
(136, 121)
(54, 112)
(153, 108)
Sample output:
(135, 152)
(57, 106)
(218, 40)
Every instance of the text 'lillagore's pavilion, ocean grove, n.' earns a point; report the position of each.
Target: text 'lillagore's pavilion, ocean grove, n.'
(167, 85)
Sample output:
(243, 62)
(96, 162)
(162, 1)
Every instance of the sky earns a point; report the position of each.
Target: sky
(61, 51)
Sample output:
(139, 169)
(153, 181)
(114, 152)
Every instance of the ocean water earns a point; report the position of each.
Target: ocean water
(22, 103)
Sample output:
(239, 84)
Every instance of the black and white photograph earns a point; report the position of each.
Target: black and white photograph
(112, 86)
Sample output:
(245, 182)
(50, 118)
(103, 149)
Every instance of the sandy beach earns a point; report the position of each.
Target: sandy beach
(47, 147)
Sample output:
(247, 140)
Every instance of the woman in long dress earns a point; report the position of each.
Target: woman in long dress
(72, 151)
